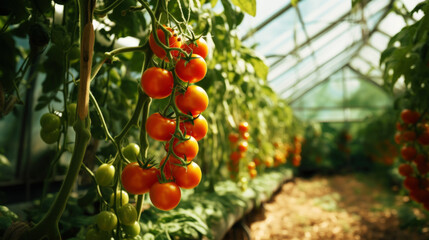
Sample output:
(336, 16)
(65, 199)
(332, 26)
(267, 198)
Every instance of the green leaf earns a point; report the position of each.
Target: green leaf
(261, 69)
(248, 6)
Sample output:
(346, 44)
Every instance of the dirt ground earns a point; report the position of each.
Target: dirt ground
(339, 207)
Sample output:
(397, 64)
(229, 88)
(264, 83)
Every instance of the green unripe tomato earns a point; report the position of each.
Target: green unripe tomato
(127, 214)
(74, 54)
(50, 137)
(50, 122)
(132, 230)
(131, 152)
(94, 234)
(105, 174)
(121, 198)
(106, 221)
(71, 113)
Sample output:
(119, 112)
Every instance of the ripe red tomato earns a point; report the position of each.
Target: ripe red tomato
(165, 196)
(423, 139)
(398, 137)
(188, 148)
(409, 135)
(193, 71)
(410, 116)
(235, 157)
(137, 180)
(169, 166)
(198, 130)
(157, 82)
(200, 48)
(243, 127)
(242, 146)
(411, 183)
(160, 128)
(400, 127)
(187, 177)
(251, 165)
(245, 135)
(405, 169)
(408, 152)
(193, 101)
(174, 41)
(233, 137)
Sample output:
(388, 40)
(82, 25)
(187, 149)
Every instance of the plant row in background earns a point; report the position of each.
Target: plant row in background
(142, 126)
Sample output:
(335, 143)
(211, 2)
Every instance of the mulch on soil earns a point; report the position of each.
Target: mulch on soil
(338, 207)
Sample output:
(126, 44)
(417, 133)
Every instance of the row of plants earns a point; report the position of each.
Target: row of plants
(142, 126)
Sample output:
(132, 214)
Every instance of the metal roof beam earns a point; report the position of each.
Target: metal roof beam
(267, 21)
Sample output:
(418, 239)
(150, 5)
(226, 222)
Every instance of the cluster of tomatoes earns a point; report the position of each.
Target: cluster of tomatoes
(181, 133)
(413, 135)
(51, 124)
(124, 212)
(239, 146)
(296, 150)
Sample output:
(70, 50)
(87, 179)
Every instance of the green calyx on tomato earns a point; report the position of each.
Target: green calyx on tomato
(173, 41)
(137, 180)
(187, 177)
(197, 128)
(199, 48)
(191, 71)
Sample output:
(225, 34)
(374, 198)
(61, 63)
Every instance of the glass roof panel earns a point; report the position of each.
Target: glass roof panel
(392, 23)
(379, 41)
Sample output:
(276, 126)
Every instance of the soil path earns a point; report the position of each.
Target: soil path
(339, 207)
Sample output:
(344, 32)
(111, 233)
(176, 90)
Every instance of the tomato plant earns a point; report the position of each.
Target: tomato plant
(157, 82)
(165, 196)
